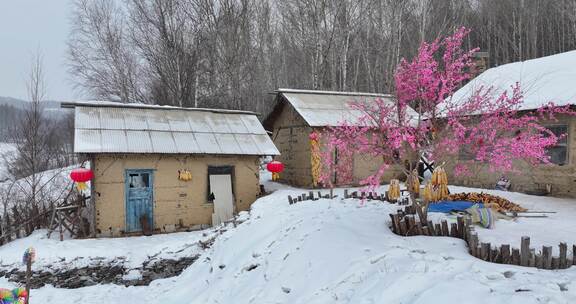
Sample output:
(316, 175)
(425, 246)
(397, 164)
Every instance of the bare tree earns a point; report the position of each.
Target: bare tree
(231, 53)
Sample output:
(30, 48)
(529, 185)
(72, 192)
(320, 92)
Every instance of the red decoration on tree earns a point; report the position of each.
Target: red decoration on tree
(275, 167)
(81, 175)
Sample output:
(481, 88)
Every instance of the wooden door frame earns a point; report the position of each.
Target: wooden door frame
(126, 193)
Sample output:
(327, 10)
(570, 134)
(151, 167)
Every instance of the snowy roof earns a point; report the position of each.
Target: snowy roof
(328, 108)
(542, 80)
(105, 128)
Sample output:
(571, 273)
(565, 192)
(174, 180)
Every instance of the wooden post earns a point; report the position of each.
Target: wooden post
(319, 194)
(546, 257)
(431, 228)
(485, 251)
(505, 253)
(532, 259)
(346, 193)
(573, 254)
(290, 200)
(473, 244)
(331, 193)
(460, 222)
(515, 256)
(412, 230)
(524, 251)
(311, 195)
(403, 228)
(555, 263)
(444, 228)
(395, 223)
(419, 230)
(538, 261)
(454, 230)
(28, 275)
(438, 229)
(563, 252)
(425, 230)
(494, 255)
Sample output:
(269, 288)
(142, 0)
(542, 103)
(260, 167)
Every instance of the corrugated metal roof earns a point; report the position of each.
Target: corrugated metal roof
(322, 108)
(156, 130)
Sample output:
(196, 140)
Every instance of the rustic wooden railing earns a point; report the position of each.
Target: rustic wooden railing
(404, 223)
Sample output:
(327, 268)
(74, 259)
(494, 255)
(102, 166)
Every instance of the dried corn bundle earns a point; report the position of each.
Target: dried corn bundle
(439, 177)
(394, 189)
(414, 182)
(492, 201)
(428, 193)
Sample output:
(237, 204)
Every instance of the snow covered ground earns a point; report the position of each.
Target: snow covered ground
(325, 251)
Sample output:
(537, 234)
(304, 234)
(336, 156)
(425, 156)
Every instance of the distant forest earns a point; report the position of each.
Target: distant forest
(232, 53)
(9, 117)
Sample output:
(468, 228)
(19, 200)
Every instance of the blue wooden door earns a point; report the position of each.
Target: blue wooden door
(139, 199)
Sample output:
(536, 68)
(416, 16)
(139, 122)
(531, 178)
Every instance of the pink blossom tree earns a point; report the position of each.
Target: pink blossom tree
(423, 120)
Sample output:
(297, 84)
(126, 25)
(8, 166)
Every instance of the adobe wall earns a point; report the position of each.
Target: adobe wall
(175, 201)
(291, 138)
(562, 179)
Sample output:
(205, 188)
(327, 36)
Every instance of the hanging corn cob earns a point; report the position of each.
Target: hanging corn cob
(439, 185)
(414, 182)
(315, 157)
(428, 192)
(394, 189)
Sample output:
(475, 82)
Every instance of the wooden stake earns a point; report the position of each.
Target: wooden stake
(524, 251)
(546, 257)
(515, 256)
(505, 253)
(555, 263)
(485, 251)
(563, 252)
(431, 228)
(460, 222)
(454, 230)
(444, 228)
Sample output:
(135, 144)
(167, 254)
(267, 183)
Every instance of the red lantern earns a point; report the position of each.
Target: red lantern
(81, 176)
(275, 167)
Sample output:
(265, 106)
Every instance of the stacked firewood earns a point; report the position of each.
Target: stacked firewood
(489, 201)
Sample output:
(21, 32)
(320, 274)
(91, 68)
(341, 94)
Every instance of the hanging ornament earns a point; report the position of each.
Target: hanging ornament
(80, 176)
(275, 167)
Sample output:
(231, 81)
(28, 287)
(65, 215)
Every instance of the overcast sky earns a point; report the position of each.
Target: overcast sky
(27, 25)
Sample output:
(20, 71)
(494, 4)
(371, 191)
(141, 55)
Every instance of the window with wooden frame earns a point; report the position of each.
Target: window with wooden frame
(559, 153)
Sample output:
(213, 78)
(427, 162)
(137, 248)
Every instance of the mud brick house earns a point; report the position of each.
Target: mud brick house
(298, 113)
(542, 80)
(168, 168)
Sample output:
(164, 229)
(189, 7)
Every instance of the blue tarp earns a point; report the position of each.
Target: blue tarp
(449, 206)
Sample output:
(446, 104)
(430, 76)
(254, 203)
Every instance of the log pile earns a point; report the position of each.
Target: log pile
(490, 201)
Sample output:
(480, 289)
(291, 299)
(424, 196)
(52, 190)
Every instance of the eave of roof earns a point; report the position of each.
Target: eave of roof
(112, 104)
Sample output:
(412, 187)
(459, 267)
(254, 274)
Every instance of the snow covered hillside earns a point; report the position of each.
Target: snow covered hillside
(325, 251)
(6, 150)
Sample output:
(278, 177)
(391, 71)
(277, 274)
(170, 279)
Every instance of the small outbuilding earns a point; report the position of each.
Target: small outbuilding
(299, 113)
(164, 169)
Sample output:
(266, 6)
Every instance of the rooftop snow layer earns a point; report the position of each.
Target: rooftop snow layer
(542, 80)
(326, 108)
(152, 129)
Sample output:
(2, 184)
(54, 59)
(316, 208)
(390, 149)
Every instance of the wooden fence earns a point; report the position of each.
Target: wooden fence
(383, 197)
(404, 223)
